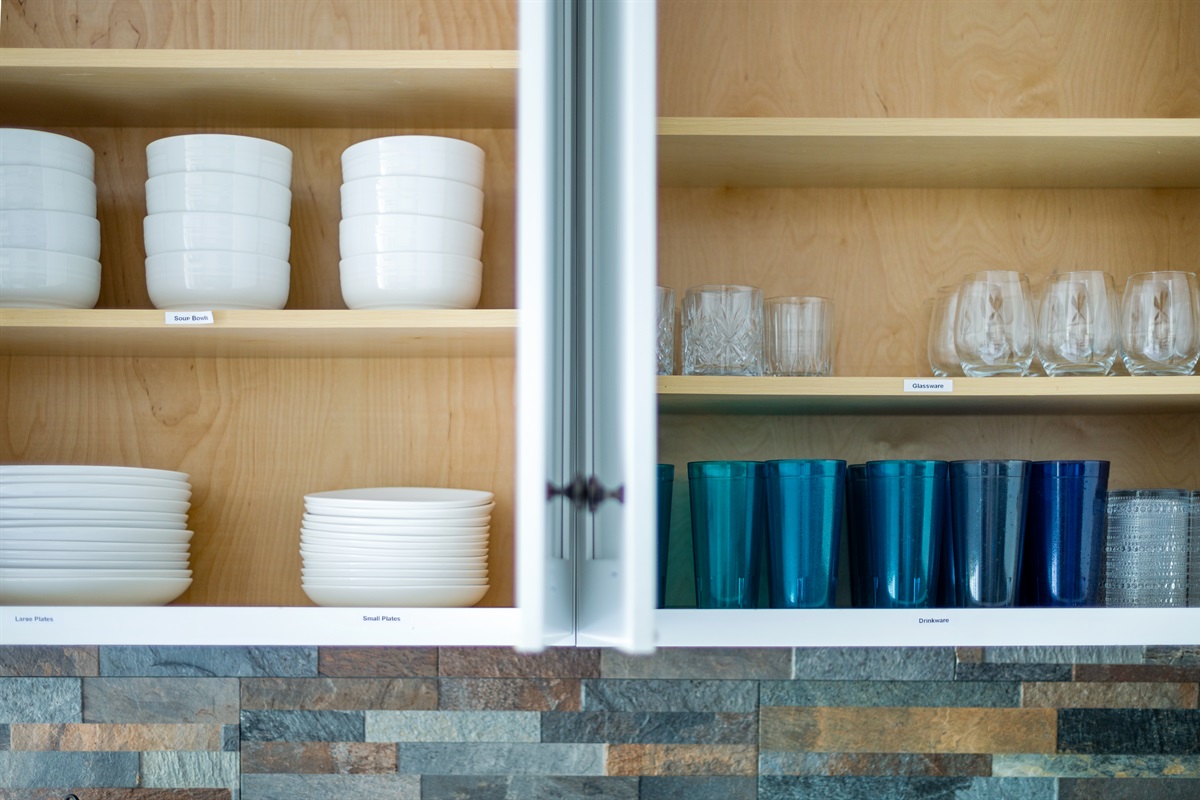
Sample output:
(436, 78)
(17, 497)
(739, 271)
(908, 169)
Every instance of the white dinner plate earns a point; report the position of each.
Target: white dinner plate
(379, 514)
(400, 497)
(86, 591)
(11, 573)
(116, 562)
(371, 522)
(13, 490)
(56, 505)
(30, 517)
(89, 470)
(396, 597)
(27, 537)
(96, 480)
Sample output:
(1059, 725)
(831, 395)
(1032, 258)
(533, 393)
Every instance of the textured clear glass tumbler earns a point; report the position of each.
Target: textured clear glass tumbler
(906, 501)
(988, 499)
(728, 504)
(804, 531)
(722, 330)
(1146, 547)
(994, 324)
(665, 329)
(1078, 331)
(1064, 536)
(798, 336)
(1160, 323)
(1193, 593)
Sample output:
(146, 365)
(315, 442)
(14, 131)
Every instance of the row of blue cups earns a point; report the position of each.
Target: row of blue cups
(921, 533)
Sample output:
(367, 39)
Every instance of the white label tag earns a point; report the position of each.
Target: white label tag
(189, 318)
(928, 385)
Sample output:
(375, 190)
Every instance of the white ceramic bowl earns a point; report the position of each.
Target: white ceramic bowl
(429, 156)
(397, 597)
(217, 279)
(173, 231)
(23, 147)
(44, 279)
(57, 231)
(385, 233)
(399, 497)
(411, 280)
(218, 152)
(87, 591)
(46, 189)
(98, 471)
(219, 191)
(413, 194)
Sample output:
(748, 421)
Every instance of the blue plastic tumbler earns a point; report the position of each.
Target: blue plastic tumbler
(1064, 542)
(906, 503)
(857, 541)
(988, 499)
(804, 529)
(728, 506)
(666, 483)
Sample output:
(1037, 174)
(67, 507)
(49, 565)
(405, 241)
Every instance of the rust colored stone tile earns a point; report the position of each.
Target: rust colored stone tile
(364, 758)
(90, 793)
(1109, 695)
(1135, 673)
(377, 662)
(44, 661)
(509, 694)
(682, 759)
(114, 738)
(908, 730)
(503, 662)
(339, 694)
(318, 758)
(969, 655)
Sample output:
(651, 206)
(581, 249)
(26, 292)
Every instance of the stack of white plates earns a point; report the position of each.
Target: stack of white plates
(93, 535)
(49, 234)
(410, 234)
(396, 546)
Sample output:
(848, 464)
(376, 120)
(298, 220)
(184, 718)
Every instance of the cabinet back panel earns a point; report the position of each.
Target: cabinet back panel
(879, 253)
(262, 24)
(256, 435)
(929, 58)
(316, 209)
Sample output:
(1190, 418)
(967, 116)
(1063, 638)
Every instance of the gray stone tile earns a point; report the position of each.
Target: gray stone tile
(48, 661)
(339, 694)
(1135, 731)
(1065, 655)
(40, 700)
(231, 738)
(632, 727)
(21, 770)
(179, 700)
(501, 759)
(724, 663)
(843, 788)
(526, 787)
(1025, 765)
(508, 694)
(5, 736)
(1128, 789)
(669, 695)
(453, 726)
(302, 726)
(929, 694)
(166, 769)
(876, 764)
(504, 662)
(874, 663)
(208, 662)
(1174, 656)
(330, 787)
(707, 787)
(1013, 672)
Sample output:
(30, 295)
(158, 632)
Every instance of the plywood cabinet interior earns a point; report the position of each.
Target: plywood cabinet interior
(262, 420)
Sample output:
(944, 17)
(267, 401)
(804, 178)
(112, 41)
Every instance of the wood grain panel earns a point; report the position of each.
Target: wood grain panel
(257, 434)
(262, 24)
(878, 253)
(929, 58)
(316, 209)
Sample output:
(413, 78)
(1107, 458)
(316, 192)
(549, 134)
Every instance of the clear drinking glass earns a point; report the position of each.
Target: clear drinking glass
(994, 324)
(1193, 592)
(943, 357)
(1077, 331)
(722, 330)
(1160, 323)
(665, 306)
(1146, 547)
(798, 336)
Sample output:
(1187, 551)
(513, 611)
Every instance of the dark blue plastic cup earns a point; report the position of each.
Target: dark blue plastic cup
(988, 500)
(804, 531)
(1064, 547)
(857, 541)
(906, 501)
(728, 506)
(666, 484)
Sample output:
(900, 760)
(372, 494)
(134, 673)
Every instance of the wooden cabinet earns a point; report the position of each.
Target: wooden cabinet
(871, 152)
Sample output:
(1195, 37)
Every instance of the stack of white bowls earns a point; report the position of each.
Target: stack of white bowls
(93, 535)
(410, 233)
(396, 546)
(49, 234)
(217, 231)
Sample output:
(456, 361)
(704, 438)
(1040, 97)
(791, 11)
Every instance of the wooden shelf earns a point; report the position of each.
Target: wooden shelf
(112, 332)
(47, 87)
(884, 152)
(679, 394)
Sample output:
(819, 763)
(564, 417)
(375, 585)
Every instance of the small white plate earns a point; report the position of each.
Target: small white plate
(87, 537)
(55, 505)
(401, 497)
(96, 480)
(10, 573)
(32, 517)
(362, 539)
(400, 574)
(138, 591)
(382, 555)
(88, 470)
(14, 490)
(372, 522)
(121, 563)
(382, 514)
(396, 597)
(410, 561)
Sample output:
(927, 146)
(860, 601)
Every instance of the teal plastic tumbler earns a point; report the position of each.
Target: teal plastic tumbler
(728, 505)
(804, 531)
(666, 483)
(906, 501)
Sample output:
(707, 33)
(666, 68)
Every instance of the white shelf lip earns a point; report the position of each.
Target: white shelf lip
(931, 627)
(934, 128)
(257, 625)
